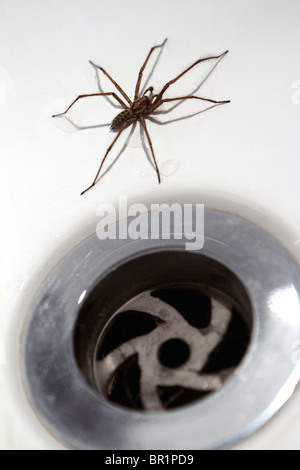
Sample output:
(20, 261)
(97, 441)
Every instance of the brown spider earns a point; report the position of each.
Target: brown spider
(141, 106)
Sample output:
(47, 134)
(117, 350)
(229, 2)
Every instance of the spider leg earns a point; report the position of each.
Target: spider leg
(151, 147)
(160, 94)
(150, 89)
(167, 100)
(93, 94)
(113, 81)
(138, 83)
(107, 152)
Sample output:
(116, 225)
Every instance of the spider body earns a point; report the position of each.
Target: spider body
(122, 118)
(141, 106)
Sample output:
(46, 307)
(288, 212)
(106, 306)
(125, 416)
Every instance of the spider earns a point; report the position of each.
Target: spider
(141, 106)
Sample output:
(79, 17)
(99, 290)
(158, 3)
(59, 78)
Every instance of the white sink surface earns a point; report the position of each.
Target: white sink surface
(242, 157)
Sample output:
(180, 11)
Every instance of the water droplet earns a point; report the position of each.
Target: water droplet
(169, 167)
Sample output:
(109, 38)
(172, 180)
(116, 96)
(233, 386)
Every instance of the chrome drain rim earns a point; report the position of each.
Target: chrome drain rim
(261, 384)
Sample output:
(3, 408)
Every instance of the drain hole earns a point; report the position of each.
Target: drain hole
(172, 397)
(192, 304)
(173, 353)
(229, 351)
(124, 386)
(129, 325)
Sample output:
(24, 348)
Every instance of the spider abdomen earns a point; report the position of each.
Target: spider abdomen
(121, 118)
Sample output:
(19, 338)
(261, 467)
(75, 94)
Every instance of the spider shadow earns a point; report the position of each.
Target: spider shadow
(101, 90)
(160, 123)
(144, 141)
(144, 145)
(81, 128)
(123, 148)
(126, 144)
(181, 118)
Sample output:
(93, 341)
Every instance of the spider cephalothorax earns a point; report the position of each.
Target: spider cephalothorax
(141, 106)
(138, 108)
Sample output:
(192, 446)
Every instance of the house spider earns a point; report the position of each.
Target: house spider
(141, 106)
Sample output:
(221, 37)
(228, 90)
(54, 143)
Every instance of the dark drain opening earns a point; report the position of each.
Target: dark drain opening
(173, 353)
(163, 330)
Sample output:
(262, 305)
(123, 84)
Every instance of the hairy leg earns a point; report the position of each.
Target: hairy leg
(166, 86)
(107, 152)
(113, 81)
(93, 94)
(151, 147)
(138, 83)
(167, 100)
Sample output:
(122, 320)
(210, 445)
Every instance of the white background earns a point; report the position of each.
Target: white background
(243, 157)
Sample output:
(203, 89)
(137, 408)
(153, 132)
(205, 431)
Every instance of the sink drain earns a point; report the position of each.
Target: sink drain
(142, 344)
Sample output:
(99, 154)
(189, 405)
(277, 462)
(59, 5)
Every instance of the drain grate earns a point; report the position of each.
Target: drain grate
(169, 347)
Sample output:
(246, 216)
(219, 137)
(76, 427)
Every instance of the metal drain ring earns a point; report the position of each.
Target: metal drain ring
(78, 415)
